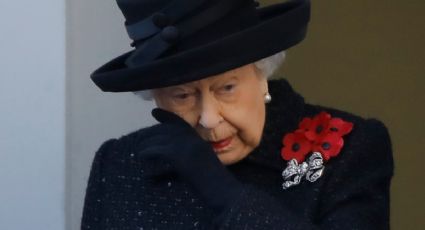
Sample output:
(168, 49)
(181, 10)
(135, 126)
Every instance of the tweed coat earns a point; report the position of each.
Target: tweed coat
(353, 192)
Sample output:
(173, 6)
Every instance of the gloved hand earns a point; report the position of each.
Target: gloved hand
(193, 159)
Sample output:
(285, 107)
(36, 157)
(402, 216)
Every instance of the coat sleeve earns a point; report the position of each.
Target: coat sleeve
(355, 193)
(93, 209)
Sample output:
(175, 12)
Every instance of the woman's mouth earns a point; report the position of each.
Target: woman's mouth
(221, 144)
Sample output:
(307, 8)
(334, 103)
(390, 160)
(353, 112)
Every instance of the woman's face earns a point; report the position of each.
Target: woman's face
(227, 110)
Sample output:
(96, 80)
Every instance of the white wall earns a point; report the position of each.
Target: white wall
(52, 117)
(32, 114)
(95, 34)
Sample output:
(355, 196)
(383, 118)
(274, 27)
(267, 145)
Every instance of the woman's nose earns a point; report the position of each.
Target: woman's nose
(210, 116)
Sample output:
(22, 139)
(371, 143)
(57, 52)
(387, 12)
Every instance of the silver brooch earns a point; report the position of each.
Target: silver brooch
(294, 172)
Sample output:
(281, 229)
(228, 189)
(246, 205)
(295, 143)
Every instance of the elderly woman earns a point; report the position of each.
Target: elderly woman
(225, 154)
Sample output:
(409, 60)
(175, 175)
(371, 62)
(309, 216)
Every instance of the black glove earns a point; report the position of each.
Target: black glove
(193, 159)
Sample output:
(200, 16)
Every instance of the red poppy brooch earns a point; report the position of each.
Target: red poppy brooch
(318, 139)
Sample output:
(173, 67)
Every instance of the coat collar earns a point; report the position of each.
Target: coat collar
(283, 114)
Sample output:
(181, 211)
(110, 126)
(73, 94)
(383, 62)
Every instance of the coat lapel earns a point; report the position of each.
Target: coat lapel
(283, 114)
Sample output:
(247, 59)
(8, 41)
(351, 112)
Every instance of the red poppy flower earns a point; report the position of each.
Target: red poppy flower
(305, 124)
(295, 146)
(322, 134)
(317, 127)
(329, 146)
(340, 126)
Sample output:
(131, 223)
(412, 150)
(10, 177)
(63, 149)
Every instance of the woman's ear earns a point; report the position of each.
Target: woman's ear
(157, 97)
(262, 79)
(264, 85)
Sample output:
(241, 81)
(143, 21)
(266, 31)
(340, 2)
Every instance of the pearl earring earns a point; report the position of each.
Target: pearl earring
(267, 98)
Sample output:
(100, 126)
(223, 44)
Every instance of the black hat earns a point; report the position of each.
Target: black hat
(178, 41)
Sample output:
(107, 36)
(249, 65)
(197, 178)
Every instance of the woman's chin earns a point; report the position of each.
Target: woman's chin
(232, 156)
(234, 151)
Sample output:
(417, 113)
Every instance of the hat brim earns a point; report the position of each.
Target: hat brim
(279, 29)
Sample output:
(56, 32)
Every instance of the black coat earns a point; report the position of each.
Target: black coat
(353, 192)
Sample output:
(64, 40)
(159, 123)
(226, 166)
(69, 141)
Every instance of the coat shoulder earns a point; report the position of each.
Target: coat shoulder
(367, 149)
(121, 148)
(366, 127)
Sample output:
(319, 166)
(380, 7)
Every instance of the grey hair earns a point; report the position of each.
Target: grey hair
(266, 66)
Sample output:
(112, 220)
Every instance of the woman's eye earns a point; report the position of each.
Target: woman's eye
(182, 96)
(228, 88)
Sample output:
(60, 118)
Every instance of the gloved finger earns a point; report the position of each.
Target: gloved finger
(164, 116)
(154, 140)
(157, 168)
(165, 130)
(156, 158)
(154, 152)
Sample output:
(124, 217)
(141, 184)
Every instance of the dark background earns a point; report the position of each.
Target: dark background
(367, 57)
